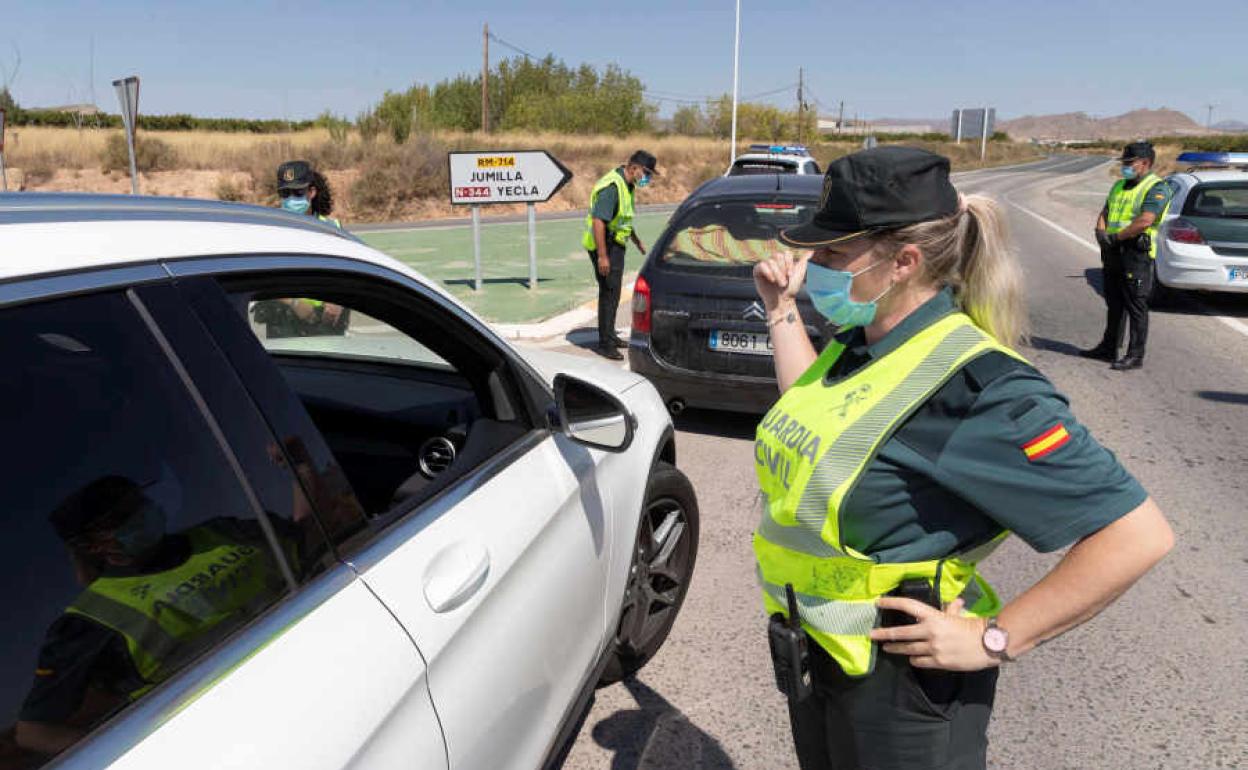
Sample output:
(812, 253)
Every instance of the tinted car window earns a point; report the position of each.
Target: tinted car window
(130, 546)
(732, 234)
(1226, 201)
(301, 325)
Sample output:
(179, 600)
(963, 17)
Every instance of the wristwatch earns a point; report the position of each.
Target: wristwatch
(996, 639)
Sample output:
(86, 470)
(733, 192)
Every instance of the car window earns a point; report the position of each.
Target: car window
(1224, 201)
(130, 545)
(763, 166)
(302, 325)
(403, 395)
(732, 234)
(812, 167)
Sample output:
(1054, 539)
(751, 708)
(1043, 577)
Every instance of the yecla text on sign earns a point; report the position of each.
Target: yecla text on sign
(505, 177)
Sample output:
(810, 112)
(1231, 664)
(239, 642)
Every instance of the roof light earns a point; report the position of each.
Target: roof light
(785, 149)
(1215, 158)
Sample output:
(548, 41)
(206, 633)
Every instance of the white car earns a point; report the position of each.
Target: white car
(1203, 242)
(273, 500)
(774, 159)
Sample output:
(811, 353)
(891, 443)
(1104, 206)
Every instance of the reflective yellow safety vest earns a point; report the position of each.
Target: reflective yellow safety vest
(1123, 206)
(622, 225)
(329, 220)
(811, 450)
(164, 617)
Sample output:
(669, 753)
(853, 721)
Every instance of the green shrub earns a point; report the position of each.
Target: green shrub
(150, 154)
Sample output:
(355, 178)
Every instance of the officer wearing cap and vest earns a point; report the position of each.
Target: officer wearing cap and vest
(608, 229)
(153, 601)
(900, 456)
(303, 190)
(1126, 231)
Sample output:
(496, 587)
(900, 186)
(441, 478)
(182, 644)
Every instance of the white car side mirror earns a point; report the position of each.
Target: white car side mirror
(591, 416)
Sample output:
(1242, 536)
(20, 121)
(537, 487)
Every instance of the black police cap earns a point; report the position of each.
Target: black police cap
(877, 189)
(1138, 151)
(646, 161)
(294, 175)
(94, 502)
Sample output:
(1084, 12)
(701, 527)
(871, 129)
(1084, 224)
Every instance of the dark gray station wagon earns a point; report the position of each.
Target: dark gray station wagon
(699, 330)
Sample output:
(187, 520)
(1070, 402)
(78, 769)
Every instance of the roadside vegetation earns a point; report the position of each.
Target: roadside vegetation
(389, 162)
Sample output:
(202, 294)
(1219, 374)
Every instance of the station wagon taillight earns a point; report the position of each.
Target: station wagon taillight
(641, 306)
(1183, 231)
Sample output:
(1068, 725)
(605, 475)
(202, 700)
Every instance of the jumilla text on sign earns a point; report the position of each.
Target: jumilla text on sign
(497, 161)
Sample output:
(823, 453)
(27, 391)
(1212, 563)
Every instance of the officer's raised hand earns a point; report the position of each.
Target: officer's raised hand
(780, 278)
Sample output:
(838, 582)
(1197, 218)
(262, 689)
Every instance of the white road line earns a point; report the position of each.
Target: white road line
(1233, 323)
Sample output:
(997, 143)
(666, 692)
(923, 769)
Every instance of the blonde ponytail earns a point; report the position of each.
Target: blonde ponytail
(969, 252)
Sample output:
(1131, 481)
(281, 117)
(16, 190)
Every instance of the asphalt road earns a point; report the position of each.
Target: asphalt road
(1159, 680)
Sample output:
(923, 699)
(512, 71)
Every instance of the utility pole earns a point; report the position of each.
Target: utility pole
(736, 60)
(801, 105)
(485, 79)
(840, 118)
(1209, 116)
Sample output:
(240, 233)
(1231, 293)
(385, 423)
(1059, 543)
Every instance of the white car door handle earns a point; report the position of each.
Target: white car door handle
(455, 574)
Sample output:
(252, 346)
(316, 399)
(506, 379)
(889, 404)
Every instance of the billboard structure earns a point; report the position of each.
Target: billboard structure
(979, 123)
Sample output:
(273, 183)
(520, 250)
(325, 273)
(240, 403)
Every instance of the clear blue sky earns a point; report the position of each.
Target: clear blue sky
(884, 58)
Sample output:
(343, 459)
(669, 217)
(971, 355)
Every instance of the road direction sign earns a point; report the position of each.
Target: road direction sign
(128, 95)
(482, 178)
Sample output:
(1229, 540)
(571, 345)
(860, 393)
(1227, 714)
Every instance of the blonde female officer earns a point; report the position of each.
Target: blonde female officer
(897, 458)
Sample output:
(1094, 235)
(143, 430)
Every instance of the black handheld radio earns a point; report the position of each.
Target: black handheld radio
(789, 655)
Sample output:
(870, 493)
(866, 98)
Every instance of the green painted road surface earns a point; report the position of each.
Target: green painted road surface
(565, 279)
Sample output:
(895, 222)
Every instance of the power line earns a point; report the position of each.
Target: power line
(513, 47)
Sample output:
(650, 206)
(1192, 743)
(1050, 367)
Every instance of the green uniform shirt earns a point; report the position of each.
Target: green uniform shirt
(608, 202)
(955, 473)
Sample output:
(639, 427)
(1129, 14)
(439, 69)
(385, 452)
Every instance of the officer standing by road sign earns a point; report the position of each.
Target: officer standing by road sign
(608, 228)
(1126, 231)
(900, 456)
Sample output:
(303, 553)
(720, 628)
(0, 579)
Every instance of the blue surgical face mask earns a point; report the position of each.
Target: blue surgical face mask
(829, 292)
(644, 181)
(142, 531)
(1128, 172)
(296, 205)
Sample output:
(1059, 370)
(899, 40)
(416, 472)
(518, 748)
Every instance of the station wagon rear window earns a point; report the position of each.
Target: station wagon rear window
(737, 233)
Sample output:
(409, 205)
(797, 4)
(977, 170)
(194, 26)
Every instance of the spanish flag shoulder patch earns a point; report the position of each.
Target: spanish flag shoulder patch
(1046, 443)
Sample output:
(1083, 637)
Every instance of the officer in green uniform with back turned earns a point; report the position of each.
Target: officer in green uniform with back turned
(608, 229)
(900, 456)
(1126, 231)
(153, 601)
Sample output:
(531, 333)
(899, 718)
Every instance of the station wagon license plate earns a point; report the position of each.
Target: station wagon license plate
(1238, 272)
(741, 342)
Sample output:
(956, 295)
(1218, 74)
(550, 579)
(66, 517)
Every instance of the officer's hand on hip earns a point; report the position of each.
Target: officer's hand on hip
(780, 278)
(944, 640)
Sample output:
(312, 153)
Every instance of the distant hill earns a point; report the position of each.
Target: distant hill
(1231, 126)
(1079, 125)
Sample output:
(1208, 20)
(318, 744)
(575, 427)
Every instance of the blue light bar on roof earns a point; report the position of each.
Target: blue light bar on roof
(787, 149)
(1215, 158)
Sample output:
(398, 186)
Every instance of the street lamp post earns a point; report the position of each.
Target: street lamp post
(736, 58)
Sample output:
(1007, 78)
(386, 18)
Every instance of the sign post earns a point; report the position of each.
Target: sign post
(128, 95)
(4, 176)
(501, 176)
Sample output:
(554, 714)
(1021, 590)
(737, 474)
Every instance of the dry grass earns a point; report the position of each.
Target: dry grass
(379, 180)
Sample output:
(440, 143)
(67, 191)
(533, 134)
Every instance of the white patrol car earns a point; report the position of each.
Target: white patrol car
(234, 535)
(774, 159)
(1203, 241)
